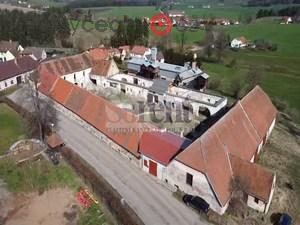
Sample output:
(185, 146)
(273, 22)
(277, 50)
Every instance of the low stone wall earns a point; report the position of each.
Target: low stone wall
(104, 191)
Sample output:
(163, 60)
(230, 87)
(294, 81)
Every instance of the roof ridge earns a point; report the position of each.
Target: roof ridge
(244, 111)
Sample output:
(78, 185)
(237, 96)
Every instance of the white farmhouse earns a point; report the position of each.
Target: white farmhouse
(226, 152)
(9, 50)
(240, 42)
(16, 71)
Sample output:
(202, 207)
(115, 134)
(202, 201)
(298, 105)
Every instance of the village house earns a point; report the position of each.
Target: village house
(286, 20)
(240, 42)
(38, 54)
(124, 51)
(155, 156)
(227, 151)
(77, 68)
(103, 70)
(9, 50)
(140, 51)
(16, 71)
(188, 75)
(206, 167)
(119, 129)
(176, 14)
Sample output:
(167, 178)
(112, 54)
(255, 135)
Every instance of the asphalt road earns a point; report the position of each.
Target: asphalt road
(152, 202)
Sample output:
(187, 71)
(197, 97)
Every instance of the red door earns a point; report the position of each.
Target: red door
(152, 168)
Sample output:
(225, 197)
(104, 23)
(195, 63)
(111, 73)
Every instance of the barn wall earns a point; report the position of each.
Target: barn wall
(161, 170)
(176, 175)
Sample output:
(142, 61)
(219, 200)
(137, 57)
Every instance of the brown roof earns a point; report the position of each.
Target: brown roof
(209, 156)
(125, 47)
(121, 126)
(70, 64)
(139, 50)
(236, 132)
(36, 52)
(54, 140)
(16, 67)
(259, 180)
(102, 68)
(259, 109)
(165, 147)
(98, 54)
(243, 40)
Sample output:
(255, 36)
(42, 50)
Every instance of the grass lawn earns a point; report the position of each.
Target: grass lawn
(38, 175)
(285, 36)
(11, 127)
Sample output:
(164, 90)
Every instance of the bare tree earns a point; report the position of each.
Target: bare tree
(182, 37)
(221, 44)
(253, 78)
(42, 112)
(238, 187)
(237, 86)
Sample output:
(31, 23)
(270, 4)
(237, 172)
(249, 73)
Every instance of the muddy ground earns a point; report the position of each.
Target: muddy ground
(55, 206)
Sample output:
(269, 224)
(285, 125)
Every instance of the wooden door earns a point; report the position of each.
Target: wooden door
(153, 168)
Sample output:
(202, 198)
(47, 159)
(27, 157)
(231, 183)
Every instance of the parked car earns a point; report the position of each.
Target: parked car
(196, 203)
(285, 219)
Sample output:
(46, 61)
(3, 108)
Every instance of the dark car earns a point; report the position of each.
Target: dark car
(196, 203)
(285, 219)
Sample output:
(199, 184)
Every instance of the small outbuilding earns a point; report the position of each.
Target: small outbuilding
(158, 149)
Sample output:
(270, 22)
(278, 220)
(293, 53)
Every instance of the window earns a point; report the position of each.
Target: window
(64, 78)
(12, 82)
(83, 73)
(145, 163)
(189, 179)
(135, 81)
(74, 76)
(256, 200)
(5, 84)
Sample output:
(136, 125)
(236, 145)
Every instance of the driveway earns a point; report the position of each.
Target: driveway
(152, 202)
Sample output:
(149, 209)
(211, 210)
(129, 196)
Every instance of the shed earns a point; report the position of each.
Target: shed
(158, 149)
(54, 141)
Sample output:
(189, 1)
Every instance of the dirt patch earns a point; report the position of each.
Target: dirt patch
(49, 208)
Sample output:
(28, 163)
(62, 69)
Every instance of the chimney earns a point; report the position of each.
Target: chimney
(187, 65)
(194, 65)
(153, 54)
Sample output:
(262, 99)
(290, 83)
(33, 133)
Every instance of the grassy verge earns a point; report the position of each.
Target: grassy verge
(92, 216)
(35, 176)
(11, 127)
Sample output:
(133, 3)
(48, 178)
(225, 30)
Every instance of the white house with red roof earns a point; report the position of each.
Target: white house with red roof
(155, 156)
(240, 42)
(16, 71)
(140, 51)
(227, 151)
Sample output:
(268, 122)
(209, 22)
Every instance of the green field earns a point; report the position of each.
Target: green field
(11, 127)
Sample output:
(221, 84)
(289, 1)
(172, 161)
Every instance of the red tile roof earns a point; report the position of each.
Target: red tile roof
(259, 110)
(17, 67)
(54, 140)
(102, 68)
(121, 126)
(258, 180)
(61, 91)
(165, 147)
(209, 156)
(236, 132)
(98, 54)
(68, 65)
(139, 50)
